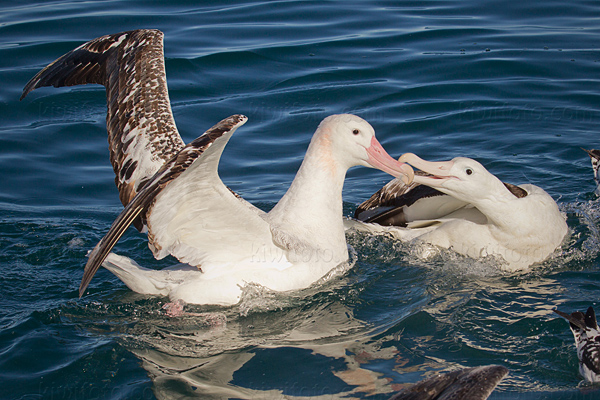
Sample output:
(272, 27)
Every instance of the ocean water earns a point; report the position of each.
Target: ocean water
(514, 85)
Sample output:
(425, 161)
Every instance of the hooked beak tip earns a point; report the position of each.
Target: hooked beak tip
(409, 174)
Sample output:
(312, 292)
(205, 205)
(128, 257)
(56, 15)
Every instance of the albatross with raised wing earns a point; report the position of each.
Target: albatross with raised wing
(174, 191)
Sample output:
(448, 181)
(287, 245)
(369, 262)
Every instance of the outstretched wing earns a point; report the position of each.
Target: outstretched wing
(205, 150)
(142, 134)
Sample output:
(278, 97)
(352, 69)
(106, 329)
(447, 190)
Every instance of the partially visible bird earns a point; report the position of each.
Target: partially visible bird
(587, 339)
(461, 206)
(595, 158)
(469, 384)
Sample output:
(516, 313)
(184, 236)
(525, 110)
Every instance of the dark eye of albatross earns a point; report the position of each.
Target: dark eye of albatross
(356, 131)
(469, 171)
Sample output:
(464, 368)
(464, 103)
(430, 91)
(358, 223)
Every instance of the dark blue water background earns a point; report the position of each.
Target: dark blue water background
(513, 84)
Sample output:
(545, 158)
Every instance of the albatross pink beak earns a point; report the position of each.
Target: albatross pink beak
(380, 159)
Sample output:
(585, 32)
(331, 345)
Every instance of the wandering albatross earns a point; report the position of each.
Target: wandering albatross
(459, 205)
(174, 191)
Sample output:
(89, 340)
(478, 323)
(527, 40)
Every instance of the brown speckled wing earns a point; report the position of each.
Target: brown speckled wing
(142, 133)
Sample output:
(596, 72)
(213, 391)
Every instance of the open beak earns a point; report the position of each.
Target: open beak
(439, 171)
(380, 159)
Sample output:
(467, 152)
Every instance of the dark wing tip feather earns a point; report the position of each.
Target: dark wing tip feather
(141, 129)
(222, 127)
(186, 156)
(144, 199)
(106, 244)
(85, 64)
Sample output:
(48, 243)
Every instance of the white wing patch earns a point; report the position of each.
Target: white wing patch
(197, 219)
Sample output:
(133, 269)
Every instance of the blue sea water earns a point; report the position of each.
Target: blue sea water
(514, 85)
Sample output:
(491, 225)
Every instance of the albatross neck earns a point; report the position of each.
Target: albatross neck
(312, 206)
(500, 208)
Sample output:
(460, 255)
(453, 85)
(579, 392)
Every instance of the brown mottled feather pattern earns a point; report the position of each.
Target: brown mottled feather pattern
(142, 133)
(475, 383)
(395, 194)
(593, 153)
(144, 200)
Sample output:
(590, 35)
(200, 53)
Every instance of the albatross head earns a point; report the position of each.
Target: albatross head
(461, 178)
(351, 141)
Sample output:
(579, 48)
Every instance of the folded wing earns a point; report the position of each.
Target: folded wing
(398, 204)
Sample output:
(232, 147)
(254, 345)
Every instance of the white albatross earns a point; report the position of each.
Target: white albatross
(174, 190)
(459, 205)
